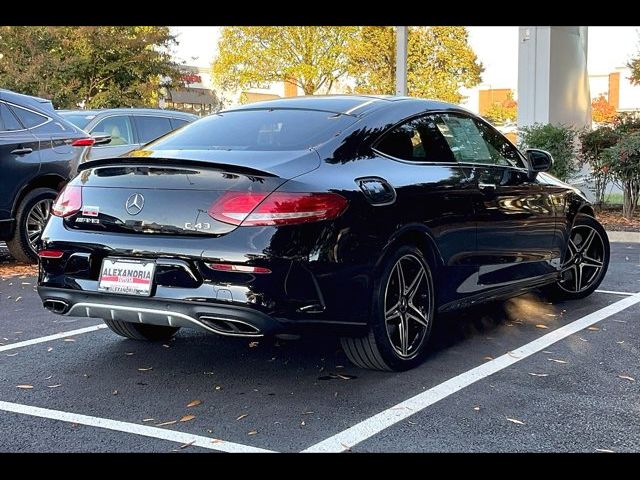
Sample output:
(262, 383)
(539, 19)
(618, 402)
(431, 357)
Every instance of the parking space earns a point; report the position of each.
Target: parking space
(98, 392)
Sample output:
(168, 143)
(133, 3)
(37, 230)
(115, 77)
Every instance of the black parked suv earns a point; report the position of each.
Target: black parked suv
(128, 128)
(39, 153)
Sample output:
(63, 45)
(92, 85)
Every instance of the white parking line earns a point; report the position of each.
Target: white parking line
(134, 428)
(385, 419)
(614, 292)
(48, 338)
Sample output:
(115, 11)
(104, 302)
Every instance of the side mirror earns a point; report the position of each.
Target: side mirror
(101, 138)
(539, 161)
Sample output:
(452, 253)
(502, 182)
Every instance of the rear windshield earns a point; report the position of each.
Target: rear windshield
(256, 130)
(80, 120)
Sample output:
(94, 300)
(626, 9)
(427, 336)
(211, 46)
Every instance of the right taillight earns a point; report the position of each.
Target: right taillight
(69, 201)
(279, 208)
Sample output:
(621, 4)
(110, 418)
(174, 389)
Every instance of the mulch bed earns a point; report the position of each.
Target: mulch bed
(612, 219)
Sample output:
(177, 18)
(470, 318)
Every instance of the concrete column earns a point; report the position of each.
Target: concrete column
(401, 60)
(553, 82)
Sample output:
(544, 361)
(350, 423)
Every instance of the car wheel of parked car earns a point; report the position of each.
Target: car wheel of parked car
(31, 218)
(141, 331)
(585, 262)
(402, 315)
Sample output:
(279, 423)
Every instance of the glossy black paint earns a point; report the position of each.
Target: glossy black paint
(487, 231)
(41, 156)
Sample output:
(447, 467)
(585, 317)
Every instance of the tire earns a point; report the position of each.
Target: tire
(381, 348)
(141, 331)
(578, 258)
(19, 245)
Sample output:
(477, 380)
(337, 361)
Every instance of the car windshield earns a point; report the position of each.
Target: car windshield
(257, 130)
(80, 120)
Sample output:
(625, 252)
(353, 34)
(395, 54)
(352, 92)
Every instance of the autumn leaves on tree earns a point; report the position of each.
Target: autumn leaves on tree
(440, 59)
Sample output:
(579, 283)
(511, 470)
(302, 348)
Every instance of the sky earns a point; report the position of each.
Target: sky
(496, 48)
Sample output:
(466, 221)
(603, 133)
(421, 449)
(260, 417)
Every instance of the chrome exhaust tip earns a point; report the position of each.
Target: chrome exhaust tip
(56, 306)
(229, 326)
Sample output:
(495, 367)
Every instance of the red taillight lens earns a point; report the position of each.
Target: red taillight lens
(50, 253)
(279, 208)
(228, 267)
(69, 201)
(83, 142)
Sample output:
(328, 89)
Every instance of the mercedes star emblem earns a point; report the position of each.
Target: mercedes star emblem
(134, 204)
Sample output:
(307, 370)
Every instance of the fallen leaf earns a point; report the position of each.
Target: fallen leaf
(129, 353)
(167, 346)
(148, 419)
(218, 387)
(476, 408)
(11, 354)
(49, 349)
(344, 376)
(556, 360)
(546, 351)
(307, 413)
(539, 374)
(620, 342)
(593, 328)
(69, 340)
(166, 423)
(187, 418)
(185, 445)
(487, 358)
(619, 321)
(208, 373)
(244, 415)
(49, 377)
(517, 422)
(626, 377)
(252, 432)
(24, 386)
(540, 325)
(216, 440)
(18, 299)
(411, 423)
(302, 424)
(253, 344)
(54, 386)
(339, 366)
(146, 369)
(583, 339)
(550, 314)
(115, 392)
(194, 403)
(604, 450)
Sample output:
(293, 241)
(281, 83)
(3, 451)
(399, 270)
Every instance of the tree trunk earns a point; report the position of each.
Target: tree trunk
(631, 191)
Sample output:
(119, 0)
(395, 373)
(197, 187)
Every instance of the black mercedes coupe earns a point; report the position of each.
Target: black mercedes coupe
(363, 216)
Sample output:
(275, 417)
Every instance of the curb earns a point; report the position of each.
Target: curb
(624, 237)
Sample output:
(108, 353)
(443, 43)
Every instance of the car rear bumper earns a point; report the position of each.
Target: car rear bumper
(214, 318)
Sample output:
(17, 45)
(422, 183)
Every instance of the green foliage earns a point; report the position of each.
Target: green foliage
(558, 140)
(624, 164)
(592, 145)
(500, 113)
(311, 57)
(440, 62)
(634, 65)
(100, 66)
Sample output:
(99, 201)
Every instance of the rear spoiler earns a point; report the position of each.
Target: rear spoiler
(170, 162)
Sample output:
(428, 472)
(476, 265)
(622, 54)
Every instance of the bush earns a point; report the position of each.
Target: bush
(593, 143)
(623, 160)
(558, 140)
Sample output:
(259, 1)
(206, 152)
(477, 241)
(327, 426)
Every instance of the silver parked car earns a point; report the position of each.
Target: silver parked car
(128, 128)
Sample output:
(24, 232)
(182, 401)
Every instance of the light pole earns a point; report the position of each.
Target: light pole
(401, 60)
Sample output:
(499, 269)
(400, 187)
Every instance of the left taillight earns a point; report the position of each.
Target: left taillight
(69, 201)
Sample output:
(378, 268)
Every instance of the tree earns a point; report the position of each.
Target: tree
(440, 62)
(634, 65)
(502, 112)
(94, 66)
(624, 164)
(312, 58)
(593, 143)
(558, 140)
(602, 111)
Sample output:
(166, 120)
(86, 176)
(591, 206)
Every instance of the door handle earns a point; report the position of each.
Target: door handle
(487, 186)
(22, 151)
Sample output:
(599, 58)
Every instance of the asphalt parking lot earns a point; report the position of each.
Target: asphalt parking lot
(522, 375)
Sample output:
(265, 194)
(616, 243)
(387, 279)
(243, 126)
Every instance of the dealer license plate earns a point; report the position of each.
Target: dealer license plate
(126, 277)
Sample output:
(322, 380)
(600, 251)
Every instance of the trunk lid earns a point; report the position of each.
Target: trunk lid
(169, 196)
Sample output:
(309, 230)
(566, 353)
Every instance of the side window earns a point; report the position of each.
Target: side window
(28, 118)
(118, 127)
(150, 128)
(8, 121)
(418, 140)
(178, 122)
(472, 141)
